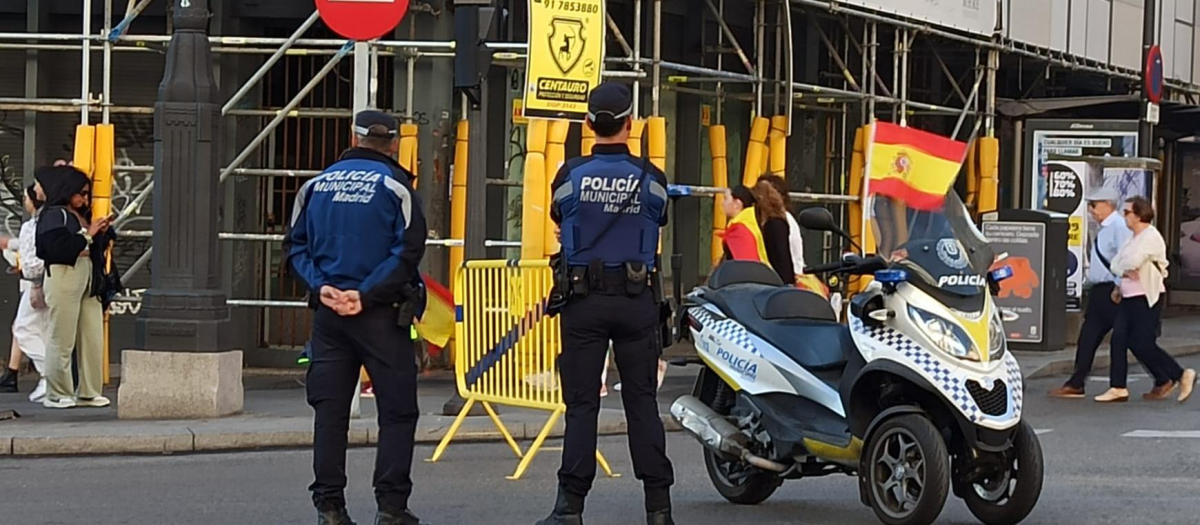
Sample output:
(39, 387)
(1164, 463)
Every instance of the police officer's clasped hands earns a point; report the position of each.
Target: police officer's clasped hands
(344, 303)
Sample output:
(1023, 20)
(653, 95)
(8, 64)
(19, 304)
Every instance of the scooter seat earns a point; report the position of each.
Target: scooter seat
(817, 344)
(793, 303)
(743, 272)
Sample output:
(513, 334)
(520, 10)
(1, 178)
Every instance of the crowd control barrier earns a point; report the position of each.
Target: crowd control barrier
(506, 348)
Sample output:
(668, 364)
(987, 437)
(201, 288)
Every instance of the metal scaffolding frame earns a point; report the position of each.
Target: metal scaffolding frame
(773, 27)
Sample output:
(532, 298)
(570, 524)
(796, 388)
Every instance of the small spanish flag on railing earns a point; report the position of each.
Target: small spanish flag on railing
(913, 166)
(436, 325)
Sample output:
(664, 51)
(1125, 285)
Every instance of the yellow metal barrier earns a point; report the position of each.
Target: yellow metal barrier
(506, 349)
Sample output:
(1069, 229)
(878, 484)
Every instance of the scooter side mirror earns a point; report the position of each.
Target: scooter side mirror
(818, 219)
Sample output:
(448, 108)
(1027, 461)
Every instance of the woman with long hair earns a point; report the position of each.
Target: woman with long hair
(1142, 265)
(29, 328)
(70, 244)
(772, 214)
(795, 240)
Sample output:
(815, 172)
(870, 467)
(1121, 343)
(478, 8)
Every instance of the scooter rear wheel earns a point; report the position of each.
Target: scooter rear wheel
(907, 471)
(1008, 499)
(738, 482)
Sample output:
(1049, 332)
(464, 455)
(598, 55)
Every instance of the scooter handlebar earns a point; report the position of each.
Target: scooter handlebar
(852, 264)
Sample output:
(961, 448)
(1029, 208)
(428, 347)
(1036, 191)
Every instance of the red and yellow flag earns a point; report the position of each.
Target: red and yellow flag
(744, 239)
(436, 326)
(913, 166)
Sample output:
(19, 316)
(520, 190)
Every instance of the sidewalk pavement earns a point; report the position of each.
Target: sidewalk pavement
(277, 416)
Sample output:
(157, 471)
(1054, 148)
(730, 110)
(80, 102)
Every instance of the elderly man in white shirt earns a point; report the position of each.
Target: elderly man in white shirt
(1101, 312)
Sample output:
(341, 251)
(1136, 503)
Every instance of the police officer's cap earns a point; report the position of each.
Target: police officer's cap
(610, 100)
(374, 123)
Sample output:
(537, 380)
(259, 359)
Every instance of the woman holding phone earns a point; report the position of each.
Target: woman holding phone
(72, 247)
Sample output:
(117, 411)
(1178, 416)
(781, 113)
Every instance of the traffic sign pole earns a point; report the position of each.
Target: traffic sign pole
(1149, 38)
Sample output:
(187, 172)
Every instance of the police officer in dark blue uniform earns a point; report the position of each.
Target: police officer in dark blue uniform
(609, 206)
(357, 235)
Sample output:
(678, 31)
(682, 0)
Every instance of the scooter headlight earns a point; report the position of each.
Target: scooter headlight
(996, 341)
(945, 335)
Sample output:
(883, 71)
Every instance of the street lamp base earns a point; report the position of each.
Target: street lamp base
(180, 385)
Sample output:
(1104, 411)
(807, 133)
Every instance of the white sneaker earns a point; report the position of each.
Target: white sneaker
(95, 402)
(65, 402)
(39, 393)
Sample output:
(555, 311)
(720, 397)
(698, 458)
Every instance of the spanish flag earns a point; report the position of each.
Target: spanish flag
(436, 325)
(913, 166)
(743, 238)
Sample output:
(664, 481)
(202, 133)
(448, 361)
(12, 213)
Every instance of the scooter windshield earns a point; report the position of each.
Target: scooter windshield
(938, 245)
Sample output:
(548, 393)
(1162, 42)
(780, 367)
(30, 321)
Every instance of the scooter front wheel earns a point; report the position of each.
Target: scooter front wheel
(1008, 496)
(907, 471)
(739, 482)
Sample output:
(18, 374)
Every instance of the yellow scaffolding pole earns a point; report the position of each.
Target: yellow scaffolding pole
(720, 172)
(587, 140)
(755, 151)
(556, 152)
(778, 146)
(533, 208)
(635, 137)
(458, 196)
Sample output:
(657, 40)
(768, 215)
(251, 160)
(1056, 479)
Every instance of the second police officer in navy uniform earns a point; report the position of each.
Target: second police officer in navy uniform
(610, 206)
(356, 237)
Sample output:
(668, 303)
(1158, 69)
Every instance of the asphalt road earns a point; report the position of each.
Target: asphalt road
(1099, 471)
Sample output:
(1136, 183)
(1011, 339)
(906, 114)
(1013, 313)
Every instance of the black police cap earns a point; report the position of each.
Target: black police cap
(610, 100)
(375, 123)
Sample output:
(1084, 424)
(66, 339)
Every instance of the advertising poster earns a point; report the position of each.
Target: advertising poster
(1055, 182)
(1188, 275)
(1022, 294)
(566, 55)
(1066, 188)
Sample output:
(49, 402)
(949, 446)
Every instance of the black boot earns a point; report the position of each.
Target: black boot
(8, 381)
(394, 517)
(568, 510)
(337, 516)
(658, 506)
(659, 517)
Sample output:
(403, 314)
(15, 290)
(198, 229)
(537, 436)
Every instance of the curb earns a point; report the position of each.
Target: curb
(1102, 362)
(190, 438)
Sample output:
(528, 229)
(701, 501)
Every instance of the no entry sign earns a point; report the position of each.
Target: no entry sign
(362, 19)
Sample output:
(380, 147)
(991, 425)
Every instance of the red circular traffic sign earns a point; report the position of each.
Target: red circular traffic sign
(362, 19)
(1154, 75)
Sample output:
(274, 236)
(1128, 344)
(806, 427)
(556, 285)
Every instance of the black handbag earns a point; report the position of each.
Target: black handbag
(106, 278)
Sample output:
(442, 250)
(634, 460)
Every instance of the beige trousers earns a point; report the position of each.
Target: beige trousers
(76, 323)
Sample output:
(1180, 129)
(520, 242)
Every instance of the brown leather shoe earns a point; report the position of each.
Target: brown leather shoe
(1161, 392)
(1067, 392)
(1114, 395)
(1187, 384)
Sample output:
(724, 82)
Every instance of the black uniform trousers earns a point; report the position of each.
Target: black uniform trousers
(340, 345)
(631, 323)
(1136, 330)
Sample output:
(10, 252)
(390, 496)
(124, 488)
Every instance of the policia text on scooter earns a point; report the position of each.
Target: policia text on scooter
(609, 207)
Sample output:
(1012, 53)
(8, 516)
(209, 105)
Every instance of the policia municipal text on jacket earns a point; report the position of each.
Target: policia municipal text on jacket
(610, 206)
(357, 235)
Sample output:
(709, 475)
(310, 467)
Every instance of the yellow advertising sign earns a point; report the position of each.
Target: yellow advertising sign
(566, 55)
(1075, 234)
